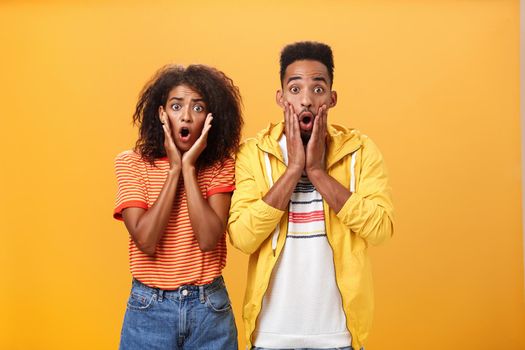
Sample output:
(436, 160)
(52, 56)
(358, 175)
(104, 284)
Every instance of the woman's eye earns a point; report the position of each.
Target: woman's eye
(318, 90)
(198, 108)
(175, 107)
(294, 89)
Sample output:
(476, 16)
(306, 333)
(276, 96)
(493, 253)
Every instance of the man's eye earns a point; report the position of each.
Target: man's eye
(294, 89)
(318, 90)
(175, 107)
(198, 108)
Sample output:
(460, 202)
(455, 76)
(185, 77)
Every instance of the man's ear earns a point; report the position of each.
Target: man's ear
(279, 98)
(333, 98)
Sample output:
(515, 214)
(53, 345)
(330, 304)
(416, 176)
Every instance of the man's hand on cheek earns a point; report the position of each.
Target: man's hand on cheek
(317, 143)
(294, 143)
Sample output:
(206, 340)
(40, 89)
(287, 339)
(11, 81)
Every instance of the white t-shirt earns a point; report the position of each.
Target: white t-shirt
(302, 307)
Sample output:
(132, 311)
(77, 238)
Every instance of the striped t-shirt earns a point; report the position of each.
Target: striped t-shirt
(178, 259)
(302, 307)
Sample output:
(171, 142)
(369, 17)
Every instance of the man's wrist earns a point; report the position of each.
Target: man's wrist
(294, 172)
(315, 174)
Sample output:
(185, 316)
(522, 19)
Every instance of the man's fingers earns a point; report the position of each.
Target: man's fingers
(324, 115)
(292, 109)
(291, 128)
(297, 131)
(295, 122)
(287, 120)
(320, 121)
(315, 130)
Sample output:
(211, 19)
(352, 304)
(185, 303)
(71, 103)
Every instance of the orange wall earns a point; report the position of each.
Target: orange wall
(434, 83)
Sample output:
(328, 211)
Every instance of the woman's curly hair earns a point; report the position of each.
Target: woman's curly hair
(222, 99)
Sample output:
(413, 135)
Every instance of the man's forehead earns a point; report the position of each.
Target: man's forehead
(306, 69)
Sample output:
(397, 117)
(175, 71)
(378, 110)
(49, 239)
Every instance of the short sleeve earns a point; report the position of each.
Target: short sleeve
(131, 187)
(223, 178)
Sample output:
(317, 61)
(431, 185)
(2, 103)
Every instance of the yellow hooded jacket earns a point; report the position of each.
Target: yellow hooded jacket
(366, 218)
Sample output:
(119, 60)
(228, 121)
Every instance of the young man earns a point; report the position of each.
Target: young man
(310, 197)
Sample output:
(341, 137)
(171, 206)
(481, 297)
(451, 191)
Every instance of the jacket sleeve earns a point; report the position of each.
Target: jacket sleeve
(251, 220)
(369, 211)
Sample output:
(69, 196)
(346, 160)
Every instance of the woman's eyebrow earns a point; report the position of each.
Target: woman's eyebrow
(181, 99)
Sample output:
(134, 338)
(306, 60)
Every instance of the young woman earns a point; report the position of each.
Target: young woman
(173, 195)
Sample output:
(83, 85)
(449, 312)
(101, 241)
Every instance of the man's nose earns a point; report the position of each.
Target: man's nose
(306, 100)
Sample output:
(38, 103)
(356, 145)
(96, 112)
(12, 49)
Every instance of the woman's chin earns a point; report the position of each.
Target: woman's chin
(184, 146)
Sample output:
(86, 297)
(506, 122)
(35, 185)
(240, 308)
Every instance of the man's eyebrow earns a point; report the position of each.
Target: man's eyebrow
(320, 78)
(297, 77)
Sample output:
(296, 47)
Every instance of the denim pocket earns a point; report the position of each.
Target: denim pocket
(219, 300)
(140, 300)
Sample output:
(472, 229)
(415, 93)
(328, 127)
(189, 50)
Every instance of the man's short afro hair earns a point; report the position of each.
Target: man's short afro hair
(307, 50)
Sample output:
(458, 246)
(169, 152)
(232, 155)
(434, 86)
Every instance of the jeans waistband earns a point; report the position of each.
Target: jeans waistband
(185, 291)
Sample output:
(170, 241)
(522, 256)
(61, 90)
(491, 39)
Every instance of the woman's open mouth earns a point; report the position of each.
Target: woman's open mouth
(184, 134)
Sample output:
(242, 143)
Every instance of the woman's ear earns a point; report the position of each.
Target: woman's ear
(161, 114)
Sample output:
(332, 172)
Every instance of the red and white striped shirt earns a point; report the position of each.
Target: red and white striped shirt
(178, 259)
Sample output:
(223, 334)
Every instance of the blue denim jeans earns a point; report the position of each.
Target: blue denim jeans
(191, 317)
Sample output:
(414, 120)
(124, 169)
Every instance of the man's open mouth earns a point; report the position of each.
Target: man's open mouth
(306, 121)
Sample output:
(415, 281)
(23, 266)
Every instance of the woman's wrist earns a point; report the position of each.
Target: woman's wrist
(174, 171)
(188, 169)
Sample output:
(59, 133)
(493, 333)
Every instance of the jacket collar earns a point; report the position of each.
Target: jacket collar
(341, 142)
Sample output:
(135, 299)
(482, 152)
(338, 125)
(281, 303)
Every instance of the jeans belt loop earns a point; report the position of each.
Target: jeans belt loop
(201, 294)
(160, 294)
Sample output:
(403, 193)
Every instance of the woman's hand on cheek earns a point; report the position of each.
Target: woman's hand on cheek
(172, 151)
(189, 158)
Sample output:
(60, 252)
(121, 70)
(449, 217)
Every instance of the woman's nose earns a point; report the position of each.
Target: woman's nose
(186, 115)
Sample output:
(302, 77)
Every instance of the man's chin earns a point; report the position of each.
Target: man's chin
(305, 136)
